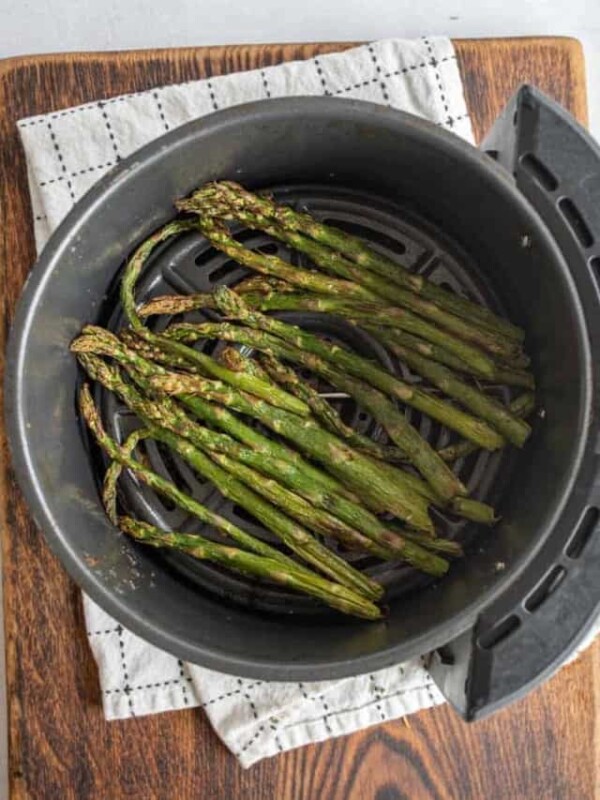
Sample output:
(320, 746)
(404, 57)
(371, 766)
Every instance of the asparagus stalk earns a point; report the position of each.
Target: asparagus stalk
(469, 427)
(363, 312)
(522, 406)
(380, 287)
(164, 487)
(274, 462)
(328, 525)
(382, 409)
(208, 365)
(231, 194)
(299, 540)
(372, 481)
(514, 429)
(233, 359)
(236, 459)
(417, 450)
(138, 260)
(393, 337)
(266, 390)
(113, 473)
(139, 356)
(322, 410)
(325, 412)
(255, 566)
(218, 235)
(263, 285)
(334, 594)
(367, 477)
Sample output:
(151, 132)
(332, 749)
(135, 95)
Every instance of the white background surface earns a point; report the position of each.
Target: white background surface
(35, 26)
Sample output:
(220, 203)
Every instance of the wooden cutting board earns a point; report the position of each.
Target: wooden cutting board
(60, 745)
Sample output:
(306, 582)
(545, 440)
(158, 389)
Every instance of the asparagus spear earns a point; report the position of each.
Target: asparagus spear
(471, 428)
(371, 399)
(266, 456)
(334, 594)
(137, 261)
(522, 406)
(479, 362)
(380, 287)
(371, 480)
(263, 285)
(514, 429)
(324, 411)
(330, 497)
(101, 342)
(236, 459)
(392, 337)
(266, 390)
(365, 476)
(218, 235)
(299, 540)
(113, 473)
(325, 523)
(353, 248)
(417, 450)
(164, 487)
(208, 365)
(255, 566)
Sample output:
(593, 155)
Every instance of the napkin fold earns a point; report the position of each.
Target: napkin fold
(67, 152)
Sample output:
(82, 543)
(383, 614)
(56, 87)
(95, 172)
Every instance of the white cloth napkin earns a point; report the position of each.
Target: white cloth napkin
(67, 152)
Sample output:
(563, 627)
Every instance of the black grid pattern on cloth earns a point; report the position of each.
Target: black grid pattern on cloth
(68, 175)
(213, 97)
(379, 76)
(161, 111)
(449, 120)
(183, 680)
(321, 74)
(126, 687)
(61, 161)
(244, 690)
(232, 693)
(382, 698)
(390, 74)
(265, 83)
(109, 129)
(377, 692)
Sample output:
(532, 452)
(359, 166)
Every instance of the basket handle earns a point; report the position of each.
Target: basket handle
(541, 618)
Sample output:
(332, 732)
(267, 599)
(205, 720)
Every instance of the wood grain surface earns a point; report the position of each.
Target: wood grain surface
(545, 747)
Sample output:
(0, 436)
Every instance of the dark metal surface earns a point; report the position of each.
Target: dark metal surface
(338, 146)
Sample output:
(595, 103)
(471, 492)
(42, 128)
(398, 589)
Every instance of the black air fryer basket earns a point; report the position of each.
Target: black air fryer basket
(516, 227)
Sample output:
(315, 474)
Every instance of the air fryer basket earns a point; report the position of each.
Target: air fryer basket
(525, 594)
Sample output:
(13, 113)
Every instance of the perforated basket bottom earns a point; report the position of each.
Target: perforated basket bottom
(190, 264)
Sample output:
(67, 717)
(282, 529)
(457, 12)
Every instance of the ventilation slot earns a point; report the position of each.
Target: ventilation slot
(241, 513)
(218, 274)
(583, 532)
(545, 588)
(576, 222)
(539, 171)
(499, 632)
(370, 235)
(595, 267)
(269, 249)
(493, 154)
